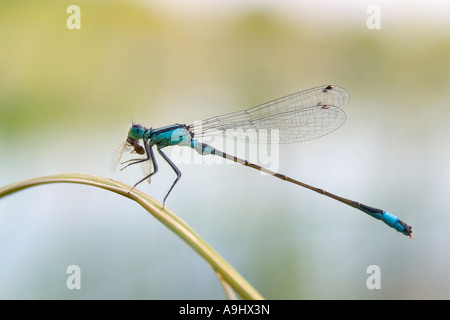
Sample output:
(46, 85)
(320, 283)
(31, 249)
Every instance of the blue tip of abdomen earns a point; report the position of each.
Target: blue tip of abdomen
(388, 218)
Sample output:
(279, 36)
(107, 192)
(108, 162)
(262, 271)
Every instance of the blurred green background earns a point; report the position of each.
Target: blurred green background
(67, 99)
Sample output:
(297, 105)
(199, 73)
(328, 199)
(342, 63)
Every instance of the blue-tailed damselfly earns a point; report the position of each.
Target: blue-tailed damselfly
(297, 117)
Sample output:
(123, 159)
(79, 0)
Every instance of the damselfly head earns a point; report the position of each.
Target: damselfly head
(136, 132)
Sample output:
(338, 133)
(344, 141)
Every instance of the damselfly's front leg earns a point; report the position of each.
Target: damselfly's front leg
(140, 150)
(150, 156)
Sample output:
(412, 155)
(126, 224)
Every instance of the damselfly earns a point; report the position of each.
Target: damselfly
(297, 117)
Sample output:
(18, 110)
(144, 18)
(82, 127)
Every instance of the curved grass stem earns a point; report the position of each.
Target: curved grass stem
(225, 272)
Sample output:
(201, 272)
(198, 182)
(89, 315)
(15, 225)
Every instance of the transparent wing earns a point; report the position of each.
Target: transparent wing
(297, 117)
(147, 168)
(115, 159)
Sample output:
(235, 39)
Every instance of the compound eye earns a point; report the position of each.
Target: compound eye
(136, 132)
